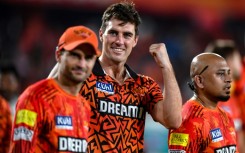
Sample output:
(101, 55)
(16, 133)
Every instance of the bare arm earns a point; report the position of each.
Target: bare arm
(53, 72)
(168, 111)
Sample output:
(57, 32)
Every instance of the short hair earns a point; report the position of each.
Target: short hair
(223, 47)
(124, 11)
(9, 68)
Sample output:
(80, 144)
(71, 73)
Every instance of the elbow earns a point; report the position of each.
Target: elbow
(176, 124)
(172, 123)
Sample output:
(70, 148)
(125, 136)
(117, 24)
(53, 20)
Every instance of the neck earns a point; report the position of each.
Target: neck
(115, 70)
(205, 102)
(69, 87)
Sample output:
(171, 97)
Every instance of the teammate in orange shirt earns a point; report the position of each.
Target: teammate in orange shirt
(118, 96)
(228, 49)
(5, 125)
(51, 115)
(205, 126)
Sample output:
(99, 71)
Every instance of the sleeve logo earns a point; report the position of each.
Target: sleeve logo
(26, 116)
(22, 133)
(179, 139)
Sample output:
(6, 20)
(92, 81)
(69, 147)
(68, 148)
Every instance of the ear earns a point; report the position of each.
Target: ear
(136, 40)
(58, 56)
(199, 81)
(100, 35)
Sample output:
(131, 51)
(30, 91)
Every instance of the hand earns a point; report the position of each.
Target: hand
(159, 52)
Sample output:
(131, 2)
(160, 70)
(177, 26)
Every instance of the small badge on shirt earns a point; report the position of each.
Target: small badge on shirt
(22, 133)
(180, 139)
(176, 151)
(105, 87)
(216, 135)
(63, 122)
(26, 116)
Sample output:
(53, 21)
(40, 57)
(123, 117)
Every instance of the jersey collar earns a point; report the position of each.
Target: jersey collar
(97, 70)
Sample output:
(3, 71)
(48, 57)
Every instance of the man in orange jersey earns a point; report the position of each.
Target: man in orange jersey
(51, 115)
(228, 49)
(5, 125)
(205, 126)
(118, 96)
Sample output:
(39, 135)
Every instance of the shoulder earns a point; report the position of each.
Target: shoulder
(37, 89)
(4, 104)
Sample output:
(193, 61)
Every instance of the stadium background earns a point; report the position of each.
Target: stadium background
(30, 29)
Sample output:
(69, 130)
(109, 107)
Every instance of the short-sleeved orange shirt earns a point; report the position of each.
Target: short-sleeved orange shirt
(118, 111)
(49, 120)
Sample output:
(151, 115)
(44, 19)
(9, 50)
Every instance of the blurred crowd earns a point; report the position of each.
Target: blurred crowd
(29, 34)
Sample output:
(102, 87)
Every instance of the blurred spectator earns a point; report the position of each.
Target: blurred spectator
(240, 92)
(5, 125)
(228, 49)
(9, 84)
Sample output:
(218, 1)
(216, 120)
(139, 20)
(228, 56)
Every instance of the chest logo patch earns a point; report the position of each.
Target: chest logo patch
(63, 122)
(105, 87)
(216, 135)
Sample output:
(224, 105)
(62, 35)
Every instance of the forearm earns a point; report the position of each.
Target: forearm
(53, 72)
(168, 111)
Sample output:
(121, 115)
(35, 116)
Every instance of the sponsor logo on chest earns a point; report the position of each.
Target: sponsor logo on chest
(72, 144)
(105, 87)
(118, 109)
(63, 122)
(216, 135)
(226, 149)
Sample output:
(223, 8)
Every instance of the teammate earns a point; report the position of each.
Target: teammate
(205, 126)
(118, 96)
(228, 49)
(51, 115)
(9, 84)
(5, 125)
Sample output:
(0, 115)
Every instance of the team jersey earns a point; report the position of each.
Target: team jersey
(232, 107)
(5, 125)
(49, 120)
(240, 93)
(118, 111)
(203, 130)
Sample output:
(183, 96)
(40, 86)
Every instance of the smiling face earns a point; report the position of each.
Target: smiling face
(118, 40)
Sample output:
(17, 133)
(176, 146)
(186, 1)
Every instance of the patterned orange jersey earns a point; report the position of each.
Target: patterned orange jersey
(118, 111)
(49, 120)
(5, 125)
(240, 93)
(203, 130)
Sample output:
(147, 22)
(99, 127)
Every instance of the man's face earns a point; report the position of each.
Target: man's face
(9, 84)
(217, 81)
(76, 65)
(118, 40)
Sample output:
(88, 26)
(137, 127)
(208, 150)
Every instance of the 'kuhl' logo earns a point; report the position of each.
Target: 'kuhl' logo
(216, 135)
(105, 87)
(63, 122)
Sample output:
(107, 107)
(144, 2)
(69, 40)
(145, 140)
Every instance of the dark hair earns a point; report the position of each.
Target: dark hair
(9, 68)
(223, 47)
(124, 11)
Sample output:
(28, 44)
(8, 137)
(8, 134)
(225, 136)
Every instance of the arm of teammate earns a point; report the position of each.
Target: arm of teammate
(6, 124)
(53, 72)
(168, 111)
